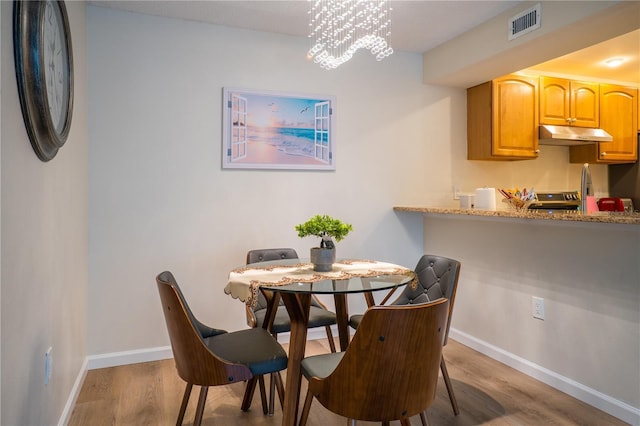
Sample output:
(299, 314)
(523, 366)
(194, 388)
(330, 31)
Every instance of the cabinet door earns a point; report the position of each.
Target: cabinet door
(515, 117)
(585, 104)
(619, 118)
(555, 101)
(569, 103)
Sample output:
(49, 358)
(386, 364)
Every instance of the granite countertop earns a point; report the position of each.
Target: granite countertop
(600, 217)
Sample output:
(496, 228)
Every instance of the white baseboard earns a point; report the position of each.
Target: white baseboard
(115, 359)
(612, 406)
(73, 395)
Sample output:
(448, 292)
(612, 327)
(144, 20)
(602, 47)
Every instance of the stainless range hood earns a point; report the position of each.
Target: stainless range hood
(567, 136)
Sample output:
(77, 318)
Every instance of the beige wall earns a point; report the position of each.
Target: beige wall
(159, 198)
(44, 248)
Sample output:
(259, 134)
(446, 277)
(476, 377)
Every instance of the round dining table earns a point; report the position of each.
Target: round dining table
(294, 280)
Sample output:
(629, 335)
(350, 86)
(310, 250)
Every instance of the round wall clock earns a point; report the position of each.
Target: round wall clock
(44, 70)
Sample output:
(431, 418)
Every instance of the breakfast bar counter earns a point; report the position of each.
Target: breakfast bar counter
(599, 217)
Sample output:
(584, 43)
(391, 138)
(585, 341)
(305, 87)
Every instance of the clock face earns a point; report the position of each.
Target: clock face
(44, 71)
(55, 64)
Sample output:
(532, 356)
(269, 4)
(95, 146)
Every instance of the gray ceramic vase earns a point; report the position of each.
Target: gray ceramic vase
(323, 259)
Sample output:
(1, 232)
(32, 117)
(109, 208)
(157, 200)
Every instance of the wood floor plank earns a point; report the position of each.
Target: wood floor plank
(488, 393)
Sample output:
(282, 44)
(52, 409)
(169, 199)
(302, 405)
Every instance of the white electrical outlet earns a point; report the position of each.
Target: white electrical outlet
(456, 192)
(537, 304)
(48, 365)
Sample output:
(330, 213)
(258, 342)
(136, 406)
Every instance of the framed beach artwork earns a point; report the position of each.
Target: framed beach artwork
(272, 130)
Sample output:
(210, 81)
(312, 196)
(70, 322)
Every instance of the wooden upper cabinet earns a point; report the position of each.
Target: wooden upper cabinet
(566, 102)
(502, 119)
(619, 118)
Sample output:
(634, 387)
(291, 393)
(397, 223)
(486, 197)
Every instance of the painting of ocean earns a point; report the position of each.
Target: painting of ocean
(267, 130)
(292, 141)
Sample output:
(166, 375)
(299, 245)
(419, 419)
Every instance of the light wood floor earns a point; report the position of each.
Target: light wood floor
(488, 393)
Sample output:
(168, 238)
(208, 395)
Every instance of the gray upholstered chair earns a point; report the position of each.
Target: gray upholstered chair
(437, 277)
(319, 315)
(376, 379)
(206, 356)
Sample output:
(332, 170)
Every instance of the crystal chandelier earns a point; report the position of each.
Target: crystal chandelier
(338, 28)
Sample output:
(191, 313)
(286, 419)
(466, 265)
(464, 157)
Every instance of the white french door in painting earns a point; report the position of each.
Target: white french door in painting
(238, 148)
(322, 142)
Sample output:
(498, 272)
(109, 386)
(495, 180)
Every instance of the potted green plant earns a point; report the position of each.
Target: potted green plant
(326, 228)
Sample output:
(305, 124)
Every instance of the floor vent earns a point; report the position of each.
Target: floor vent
(524, 22)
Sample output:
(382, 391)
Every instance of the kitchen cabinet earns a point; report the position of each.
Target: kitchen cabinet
(619, 118)
(502, 119)
(566, 102)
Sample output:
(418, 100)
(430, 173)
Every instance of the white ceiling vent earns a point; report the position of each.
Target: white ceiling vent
(524, 22)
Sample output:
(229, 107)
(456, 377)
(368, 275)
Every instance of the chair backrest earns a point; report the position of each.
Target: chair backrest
(195, 363)
(264, 255)
(437, 277)
(390, 369)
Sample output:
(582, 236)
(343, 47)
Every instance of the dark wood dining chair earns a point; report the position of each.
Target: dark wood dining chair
(389, 370)
(206, 356)
(437, 277)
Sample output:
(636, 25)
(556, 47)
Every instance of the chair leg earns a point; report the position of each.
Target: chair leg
(447, 382)
(272, 392)
(200, 409)
(305, 409)
(424, 419)
(185, 401)
(263, 395)
(248, 394)
(279, 384)
(332, 344)
(280, 388)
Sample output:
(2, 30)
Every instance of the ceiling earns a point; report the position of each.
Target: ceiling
(589, 62)
(417, 26)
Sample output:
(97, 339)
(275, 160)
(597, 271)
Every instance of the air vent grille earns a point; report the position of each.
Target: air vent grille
(524, 22)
